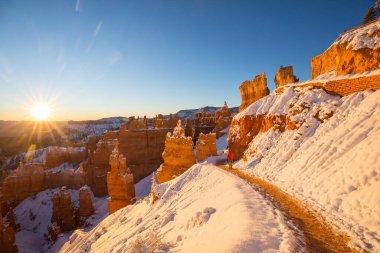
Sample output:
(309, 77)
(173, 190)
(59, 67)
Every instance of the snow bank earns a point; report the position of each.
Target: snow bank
(361, 37)
(333, 166)
(204, 210)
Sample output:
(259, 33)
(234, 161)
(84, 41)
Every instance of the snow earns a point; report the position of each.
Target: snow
(361, 37)
(294, 101)
(332, 166)
(221, 142)
(31, 236)
(205, 209)
(34, 215)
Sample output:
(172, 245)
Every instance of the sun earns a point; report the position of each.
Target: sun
(40, 112)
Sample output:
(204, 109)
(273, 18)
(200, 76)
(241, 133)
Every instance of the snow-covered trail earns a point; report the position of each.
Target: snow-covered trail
(206, 209)
(316, 234)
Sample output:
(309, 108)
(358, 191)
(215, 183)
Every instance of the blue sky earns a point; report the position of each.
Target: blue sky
(92, 59)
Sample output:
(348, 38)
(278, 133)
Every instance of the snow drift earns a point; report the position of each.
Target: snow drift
(333, 164)
(204, 210)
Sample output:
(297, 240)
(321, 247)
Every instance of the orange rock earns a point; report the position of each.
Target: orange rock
(178, 155)
(250, 126)
(344, 59)
(284, 76)
(206, 146)
(120, 182)
(224, 119)
(1, 220)
(63, 212)
(252, 91)
(86, 208)
(55, 156)
(7, 240)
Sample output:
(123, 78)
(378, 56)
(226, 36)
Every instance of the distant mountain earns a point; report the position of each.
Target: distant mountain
(188, 113)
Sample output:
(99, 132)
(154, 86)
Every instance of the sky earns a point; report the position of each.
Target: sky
(93, 59)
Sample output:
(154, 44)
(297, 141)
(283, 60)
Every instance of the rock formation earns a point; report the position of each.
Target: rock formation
(189, 131)
(206, 146)
(63, 212)
(22, 182)
(120, 182)
(142, 147)
(7, 237)
(55, 156)
(160, 122)
(178, 155)
(223, 116)
(31, 178)
(284, 76)
(97, 172)
(252, 91)
(355, 51)
(86, 208)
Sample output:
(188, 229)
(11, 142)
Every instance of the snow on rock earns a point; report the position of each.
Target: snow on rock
(334, 166)
(191, 216)
(361, 37)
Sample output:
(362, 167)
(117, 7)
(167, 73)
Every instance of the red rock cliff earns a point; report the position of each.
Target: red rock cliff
(355, 51)
(252, 91)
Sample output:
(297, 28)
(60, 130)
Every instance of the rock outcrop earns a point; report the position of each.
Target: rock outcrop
(252, 91)
(97, 172)
(7, 237)
(63, 211)
(206, 146)
(178, 155)
(355, 51)
(189, 131)
(160, 122)
(31, 178)
(55, 156)
(280, 112)
(223, 119)
(284, 76)
(86, 209)
(120, 182)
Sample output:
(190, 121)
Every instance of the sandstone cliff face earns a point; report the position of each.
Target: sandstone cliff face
(97, 172)
(206, 146)
(86, 209)
(284, 76)
(286, 111)
(55, 156)
(178, 155)
(32, 178)
(223, 116)
(355, 51)
(252, 91)
(120, 182)
(63, 211)
(160, 122)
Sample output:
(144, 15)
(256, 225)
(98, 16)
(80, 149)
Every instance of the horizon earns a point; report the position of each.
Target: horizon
(90, 60)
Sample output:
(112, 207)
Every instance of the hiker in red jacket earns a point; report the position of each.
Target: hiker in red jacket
(230, 158)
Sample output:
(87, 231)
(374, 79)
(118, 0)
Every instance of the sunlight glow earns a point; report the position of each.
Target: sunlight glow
(40, 112)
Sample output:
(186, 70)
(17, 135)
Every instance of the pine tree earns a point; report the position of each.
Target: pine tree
(377, 8)
(370, 15)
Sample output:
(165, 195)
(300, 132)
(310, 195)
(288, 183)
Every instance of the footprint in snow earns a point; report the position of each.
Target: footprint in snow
(201, 217)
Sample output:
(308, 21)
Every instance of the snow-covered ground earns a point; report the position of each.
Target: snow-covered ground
(205, 209)
(361, 37)
(332, 166)
(34, 214)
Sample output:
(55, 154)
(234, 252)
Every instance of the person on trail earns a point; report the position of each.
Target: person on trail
(230, 158)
